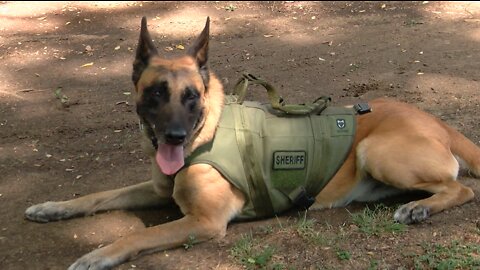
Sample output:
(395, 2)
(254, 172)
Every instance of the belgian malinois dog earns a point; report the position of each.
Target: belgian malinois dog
(180, 101)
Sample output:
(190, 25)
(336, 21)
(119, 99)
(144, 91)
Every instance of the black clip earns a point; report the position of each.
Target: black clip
(302, 199)
(362, 108)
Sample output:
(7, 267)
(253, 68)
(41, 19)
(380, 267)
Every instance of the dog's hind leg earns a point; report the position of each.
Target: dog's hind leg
(415, 162)
(136, 196)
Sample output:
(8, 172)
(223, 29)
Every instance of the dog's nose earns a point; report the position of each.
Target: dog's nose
(175, 135)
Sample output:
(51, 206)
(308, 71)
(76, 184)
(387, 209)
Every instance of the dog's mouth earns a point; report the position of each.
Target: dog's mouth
(169, 157)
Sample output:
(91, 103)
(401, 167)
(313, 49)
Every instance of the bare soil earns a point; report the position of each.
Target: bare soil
(84, 138)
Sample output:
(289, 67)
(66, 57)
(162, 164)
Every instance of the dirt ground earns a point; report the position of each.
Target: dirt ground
(68, 125)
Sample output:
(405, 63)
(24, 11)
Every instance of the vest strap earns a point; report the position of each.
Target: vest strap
(240, 90)
(256, 184)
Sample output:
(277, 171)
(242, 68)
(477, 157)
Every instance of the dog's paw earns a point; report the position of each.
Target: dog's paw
(411, 213)
(48, 211)
(95, 260)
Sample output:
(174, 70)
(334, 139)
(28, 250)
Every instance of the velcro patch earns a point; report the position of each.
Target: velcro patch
(289, 160)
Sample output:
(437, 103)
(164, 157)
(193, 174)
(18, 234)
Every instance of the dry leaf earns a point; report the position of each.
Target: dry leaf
(67, 23)
(87, 20)
(168, 49)
(267, 36)
(88, 48)
(87, 64)
(383, 6)
(117, 48)
(180, 47)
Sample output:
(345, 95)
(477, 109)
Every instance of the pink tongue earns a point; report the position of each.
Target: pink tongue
(170, 158)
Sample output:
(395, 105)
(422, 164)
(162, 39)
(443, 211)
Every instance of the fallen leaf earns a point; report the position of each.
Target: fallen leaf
(420, 73)
(78, 176)
(267, 36)
(67, 23)
(127, 93)
(62, 58)
(87, 64)
(117, 48)
(36, 74)
(383, 6)
(180, 47)
(117, 131)
(321, 59)
(168, 49)
(87, 20)
(88, 48)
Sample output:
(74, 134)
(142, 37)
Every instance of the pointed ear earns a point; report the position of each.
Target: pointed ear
(199, 51)
(145, 50)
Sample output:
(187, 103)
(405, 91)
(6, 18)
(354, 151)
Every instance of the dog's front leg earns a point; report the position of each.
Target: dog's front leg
(208, 201)
(151, 239)
(136, 196)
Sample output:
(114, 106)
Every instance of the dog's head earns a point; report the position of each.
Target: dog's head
(169, 96)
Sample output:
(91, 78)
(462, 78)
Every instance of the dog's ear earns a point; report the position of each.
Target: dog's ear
(199, 51)
(145, 50)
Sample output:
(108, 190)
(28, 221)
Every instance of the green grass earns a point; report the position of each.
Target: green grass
(449, 257)
(377, 221)
(305, 229)
(252, 255)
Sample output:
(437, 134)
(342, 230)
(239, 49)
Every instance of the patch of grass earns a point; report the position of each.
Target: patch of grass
(453, 256)
(343, 255)
(190, 242)
(305, 229)
(251, 255)
(377, 221)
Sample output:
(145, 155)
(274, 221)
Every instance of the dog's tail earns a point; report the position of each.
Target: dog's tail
(465, 149)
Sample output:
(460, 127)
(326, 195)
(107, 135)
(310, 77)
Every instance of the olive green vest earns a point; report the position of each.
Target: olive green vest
(275, 158)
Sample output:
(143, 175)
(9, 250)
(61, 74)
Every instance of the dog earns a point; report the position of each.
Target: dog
(396, 147)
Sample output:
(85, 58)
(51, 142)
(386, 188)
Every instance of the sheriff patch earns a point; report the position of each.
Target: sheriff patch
(289, 160)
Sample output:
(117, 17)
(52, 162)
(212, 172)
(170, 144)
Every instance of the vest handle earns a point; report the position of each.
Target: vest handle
(277, 102)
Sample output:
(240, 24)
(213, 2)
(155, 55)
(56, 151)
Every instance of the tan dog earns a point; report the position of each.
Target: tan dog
(180, 102)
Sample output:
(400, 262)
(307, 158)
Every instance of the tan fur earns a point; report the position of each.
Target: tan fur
(400, 146)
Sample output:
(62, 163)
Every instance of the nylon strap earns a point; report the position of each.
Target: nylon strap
(256, 184)
(276, 101)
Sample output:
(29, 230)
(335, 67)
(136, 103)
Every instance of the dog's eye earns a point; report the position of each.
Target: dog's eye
(158, 89)
(191, 94)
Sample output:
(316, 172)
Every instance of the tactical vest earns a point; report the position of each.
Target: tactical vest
(277, 159)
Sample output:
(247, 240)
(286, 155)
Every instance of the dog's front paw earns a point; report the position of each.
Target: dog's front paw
(95, 260)
(411, 213)
(48, 211)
